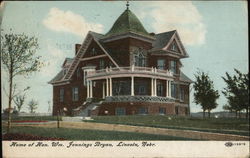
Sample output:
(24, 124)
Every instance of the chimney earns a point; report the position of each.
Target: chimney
(152, 34)
(77, 47)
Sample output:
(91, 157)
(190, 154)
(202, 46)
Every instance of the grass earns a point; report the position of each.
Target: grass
(82, 134)
(33, 118)
(216, 125)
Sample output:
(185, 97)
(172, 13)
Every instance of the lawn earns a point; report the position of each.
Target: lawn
(217, 125)
(82, 134)
(29, 118)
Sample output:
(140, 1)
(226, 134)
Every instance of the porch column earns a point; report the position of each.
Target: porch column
(110, 86)
(152, 87)
(167, 88)
(170, 89)
(91, 89)
(155, 88)
(87, 89)
(103, 90)
(107, 87)
(132, 86)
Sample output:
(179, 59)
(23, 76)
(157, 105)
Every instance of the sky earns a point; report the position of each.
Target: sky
(214, 33)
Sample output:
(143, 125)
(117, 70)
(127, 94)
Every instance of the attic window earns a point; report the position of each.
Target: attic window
(93, 51)
(173, 47)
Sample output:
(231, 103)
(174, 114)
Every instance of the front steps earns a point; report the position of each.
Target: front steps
(86, 111)
(75, 119)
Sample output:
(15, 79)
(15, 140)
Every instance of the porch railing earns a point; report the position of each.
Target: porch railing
(138, 98)
(132, 69)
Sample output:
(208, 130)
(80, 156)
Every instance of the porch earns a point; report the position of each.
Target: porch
(133, 83)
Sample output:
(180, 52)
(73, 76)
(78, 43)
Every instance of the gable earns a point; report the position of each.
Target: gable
(174, 47)
(91, 37)
(162, 39)
(175, 41)
(93, 50)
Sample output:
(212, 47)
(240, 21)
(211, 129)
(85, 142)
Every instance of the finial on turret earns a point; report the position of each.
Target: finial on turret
(127, 4)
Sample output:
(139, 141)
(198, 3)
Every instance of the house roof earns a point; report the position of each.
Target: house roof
(98, 37)
(127, 22)
(58, 77)
(162, 39)
(67, 61)
(184, 78)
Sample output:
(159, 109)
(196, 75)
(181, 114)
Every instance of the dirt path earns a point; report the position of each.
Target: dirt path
(141, 129)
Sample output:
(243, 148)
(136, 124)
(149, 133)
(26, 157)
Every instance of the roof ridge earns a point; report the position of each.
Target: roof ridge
(166, 32)
(128, 19)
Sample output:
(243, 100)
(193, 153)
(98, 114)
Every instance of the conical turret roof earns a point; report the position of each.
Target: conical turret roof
(127, 22)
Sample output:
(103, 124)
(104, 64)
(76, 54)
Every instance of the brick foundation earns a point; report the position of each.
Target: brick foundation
(132, 108)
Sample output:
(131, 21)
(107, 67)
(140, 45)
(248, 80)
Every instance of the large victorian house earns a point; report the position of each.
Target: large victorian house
(126, 71)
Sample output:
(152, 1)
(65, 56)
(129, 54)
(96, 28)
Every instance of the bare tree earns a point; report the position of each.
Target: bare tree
(32, 106)
(18, 58)
(49, 108)
(19, 101)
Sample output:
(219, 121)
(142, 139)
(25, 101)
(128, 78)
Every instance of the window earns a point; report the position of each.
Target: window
(161, 64)
(93, 51)
(140, 87)
(102, 64)
(143, 111)
(140, 60)
(61, 95)
(173, 66)
(121, 88)
(186, 111)
(120, 111)
(159, 89)
(176, 110)
(84, 77)
(142, 90)
(174, 47)
(75, 95)
(162, 111)
(173, 90)
(182, 94)
(78, 72)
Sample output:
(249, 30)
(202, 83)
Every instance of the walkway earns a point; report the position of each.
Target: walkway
(141, 129)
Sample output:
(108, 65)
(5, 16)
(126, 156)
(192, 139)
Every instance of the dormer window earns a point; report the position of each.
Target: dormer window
(173, 47)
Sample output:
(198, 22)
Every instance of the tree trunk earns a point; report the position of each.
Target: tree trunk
(10, 99)
(208, 113)
(236, 113)
(239, 114)
(58, 119)
(203, 113)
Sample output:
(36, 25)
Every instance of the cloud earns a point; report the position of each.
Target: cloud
(53, 61)
(67, 21)
(181, 16)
